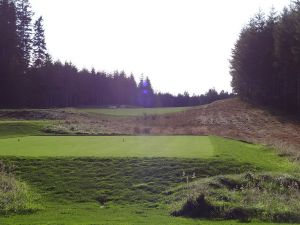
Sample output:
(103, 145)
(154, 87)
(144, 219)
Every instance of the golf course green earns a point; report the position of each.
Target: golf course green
(193, 147)
(108, 146)
(117, 180)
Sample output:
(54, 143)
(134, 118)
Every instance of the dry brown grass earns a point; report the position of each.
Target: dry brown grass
(235, 119)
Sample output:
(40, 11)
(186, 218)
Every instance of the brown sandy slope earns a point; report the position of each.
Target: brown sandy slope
(235, 119)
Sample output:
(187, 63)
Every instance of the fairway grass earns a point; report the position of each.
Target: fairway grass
(134, 111)
(108, 146)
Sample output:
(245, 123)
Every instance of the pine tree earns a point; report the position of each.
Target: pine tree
(148, 86)
(146, 93)
(9, 57)
(40, 55)
(8, 39)
(265, 61)
(132, 90)
(24, 29)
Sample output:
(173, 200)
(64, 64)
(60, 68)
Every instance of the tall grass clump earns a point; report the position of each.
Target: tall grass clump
(15, 196)
(267, 197)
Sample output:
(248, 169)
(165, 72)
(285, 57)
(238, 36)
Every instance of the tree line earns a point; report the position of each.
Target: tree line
(265, 64)
(30, 78)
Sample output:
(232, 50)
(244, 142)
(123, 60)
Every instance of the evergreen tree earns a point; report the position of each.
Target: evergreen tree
(56, 84)
(132, 90)
(24, 29)
(9, 58)
(40, 55)
(266, 58)
(146, 93)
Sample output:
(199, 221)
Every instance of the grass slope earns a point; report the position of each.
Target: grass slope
(134, 111)
(20, 128)
(15, 196)
(262, 157)
(119, 180)
(112, 191)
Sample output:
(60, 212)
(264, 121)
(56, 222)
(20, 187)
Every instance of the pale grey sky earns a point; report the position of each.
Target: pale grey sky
(182, 45)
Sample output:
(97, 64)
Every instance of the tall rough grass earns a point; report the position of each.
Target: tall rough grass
(264, 196)
(15, 196)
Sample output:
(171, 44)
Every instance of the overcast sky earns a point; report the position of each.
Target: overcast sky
(182, 45)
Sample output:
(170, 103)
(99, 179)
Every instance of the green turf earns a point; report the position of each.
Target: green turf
(260, 156)
(134, 189)
(145, 146)
(21, 128)
(92, 214)
(121, 180)
(134, 111)
(133, 177)
(110, 146)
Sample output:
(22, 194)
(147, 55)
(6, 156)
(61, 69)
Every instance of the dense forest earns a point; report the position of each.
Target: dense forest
(30, 78)
(265, 64)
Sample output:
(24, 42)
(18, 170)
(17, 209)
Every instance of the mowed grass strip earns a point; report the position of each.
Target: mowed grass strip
(134, 111)
(109, 146)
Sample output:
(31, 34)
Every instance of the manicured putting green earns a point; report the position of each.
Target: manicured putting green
(135, 111)
(112, 146)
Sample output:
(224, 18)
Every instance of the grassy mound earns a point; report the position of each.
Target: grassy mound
(15, 196)
(10, 129)
(114, 180)
(267, 197)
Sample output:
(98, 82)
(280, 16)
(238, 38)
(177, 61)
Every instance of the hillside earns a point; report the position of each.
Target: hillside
(148, 164)
(236, 119)
(231, 118)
